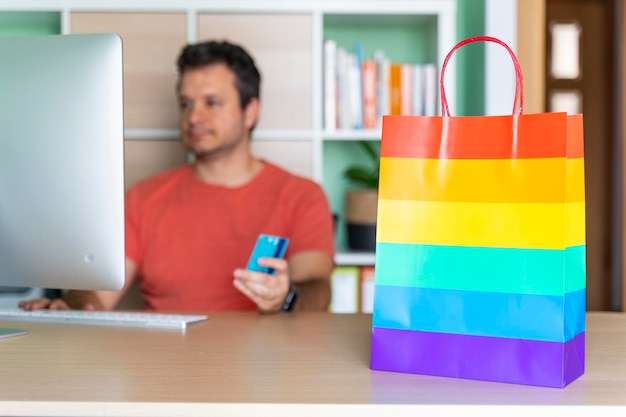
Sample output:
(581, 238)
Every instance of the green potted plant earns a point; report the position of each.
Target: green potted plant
(361, 200)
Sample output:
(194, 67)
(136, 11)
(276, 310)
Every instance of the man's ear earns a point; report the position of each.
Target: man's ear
(251, 113)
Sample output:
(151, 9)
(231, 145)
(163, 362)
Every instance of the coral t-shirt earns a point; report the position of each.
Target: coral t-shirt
(187, 237)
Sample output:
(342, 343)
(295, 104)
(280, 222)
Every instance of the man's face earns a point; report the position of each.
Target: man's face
(212, 122)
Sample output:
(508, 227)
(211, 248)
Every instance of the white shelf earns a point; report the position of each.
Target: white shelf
(319, 6)
(152, 134)
(373, 134)
(304, 146)
(355, 258)
(261, 134)
(264, 134)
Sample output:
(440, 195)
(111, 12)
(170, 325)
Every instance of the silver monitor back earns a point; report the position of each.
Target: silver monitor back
(61, 162)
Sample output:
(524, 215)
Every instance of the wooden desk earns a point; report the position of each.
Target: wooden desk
(276, 365)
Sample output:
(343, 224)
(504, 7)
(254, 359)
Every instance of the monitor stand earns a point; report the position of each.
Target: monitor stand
(4, 332)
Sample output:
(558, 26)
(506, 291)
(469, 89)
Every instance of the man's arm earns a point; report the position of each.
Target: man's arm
(311, 271)
(109, 299)
(309, 267)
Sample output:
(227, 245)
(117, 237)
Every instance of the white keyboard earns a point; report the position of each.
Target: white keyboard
(104, 318)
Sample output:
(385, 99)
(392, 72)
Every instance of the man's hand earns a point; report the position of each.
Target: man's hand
(57, 303)
(267, 291)
(46, 303)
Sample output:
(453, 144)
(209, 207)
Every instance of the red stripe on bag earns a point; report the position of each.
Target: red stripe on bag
(545, 135)
(575, 138)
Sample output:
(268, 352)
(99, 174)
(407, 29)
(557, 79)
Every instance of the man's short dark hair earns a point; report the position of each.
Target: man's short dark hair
(247, 76)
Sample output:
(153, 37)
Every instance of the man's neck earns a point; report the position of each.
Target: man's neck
(233, 171)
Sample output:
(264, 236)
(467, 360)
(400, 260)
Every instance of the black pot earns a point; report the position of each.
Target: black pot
(361, 237)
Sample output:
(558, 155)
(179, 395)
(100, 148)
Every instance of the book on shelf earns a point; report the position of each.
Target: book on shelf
(430, 89)
(418, 89)
(352, 289)
(330, 84)
(343, 89)
(359, 90)
(370, 94)
(356, 86)
(367, 288)
(383, 65)
(395, 89)
(355, 95)
(344, 284)
(406, 89)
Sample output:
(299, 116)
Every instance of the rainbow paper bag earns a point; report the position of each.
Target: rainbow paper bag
(480, 252)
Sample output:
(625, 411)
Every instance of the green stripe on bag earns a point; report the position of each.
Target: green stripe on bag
(520, 271)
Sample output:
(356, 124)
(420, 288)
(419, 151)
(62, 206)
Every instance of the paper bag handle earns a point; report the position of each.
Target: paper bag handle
(519, 80)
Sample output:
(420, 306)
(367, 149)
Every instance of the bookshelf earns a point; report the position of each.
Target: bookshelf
(290, 132)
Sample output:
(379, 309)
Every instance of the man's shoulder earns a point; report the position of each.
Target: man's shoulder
(290, 179)
(293, 190)
(159, 182)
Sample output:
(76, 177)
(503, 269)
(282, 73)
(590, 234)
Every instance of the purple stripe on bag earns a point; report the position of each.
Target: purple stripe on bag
(519, 361)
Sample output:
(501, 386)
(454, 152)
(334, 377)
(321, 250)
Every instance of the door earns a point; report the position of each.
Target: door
(580, 70)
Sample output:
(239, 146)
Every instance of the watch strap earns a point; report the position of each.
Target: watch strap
(290, 300)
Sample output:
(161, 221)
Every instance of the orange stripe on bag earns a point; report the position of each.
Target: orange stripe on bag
(546, 180)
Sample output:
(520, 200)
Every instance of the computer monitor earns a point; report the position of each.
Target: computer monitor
(61, 162)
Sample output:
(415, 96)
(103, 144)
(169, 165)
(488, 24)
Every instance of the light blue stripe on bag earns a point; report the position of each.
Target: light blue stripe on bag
(519, 316)
(527, 271)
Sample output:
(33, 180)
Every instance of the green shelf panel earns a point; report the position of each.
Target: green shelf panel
(338, 156)
(403, 38)
(470, 59)
(29, 23)
(407, 39)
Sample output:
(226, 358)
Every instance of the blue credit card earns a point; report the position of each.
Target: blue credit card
(267, 246)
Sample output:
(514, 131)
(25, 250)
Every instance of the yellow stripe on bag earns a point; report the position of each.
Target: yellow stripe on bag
(546, 180)
(575, 221)
(545, 226)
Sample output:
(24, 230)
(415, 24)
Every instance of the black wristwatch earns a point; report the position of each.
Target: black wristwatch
(290, 300)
